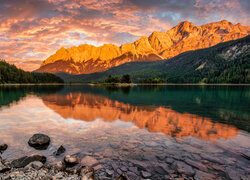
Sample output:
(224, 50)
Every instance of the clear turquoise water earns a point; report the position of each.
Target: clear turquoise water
(164, 128)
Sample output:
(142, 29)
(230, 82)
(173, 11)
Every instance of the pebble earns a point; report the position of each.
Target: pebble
(197, 165)
(183, 168)
(42, 174)
(124, 169)
(99, 166)
(109, 172)
(119, 171)
(146, 174)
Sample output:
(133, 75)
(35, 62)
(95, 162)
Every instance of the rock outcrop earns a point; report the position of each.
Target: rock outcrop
(184, 37)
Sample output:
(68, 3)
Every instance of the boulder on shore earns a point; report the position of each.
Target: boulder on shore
(71, 160)
(39, 141)
(24, 161)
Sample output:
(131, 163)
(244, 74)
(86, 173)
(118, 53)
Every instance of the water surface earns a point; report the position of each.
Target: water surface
(168, 131)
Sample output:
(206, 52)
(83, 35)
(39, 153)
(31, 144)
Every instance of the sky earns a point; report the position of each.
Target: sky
(32, 30)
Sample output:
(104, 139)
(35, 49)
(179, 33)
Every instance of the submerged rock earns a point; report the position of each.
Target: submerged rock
(119, 171)
(3, 147)
(35, 165)
(142, 165)
(134, 170)
(71, 160)
(183, 168)
(39, 141)
(89, 161)
(60, 151)
(24, 161)
(203, 175)
(197, 165)
(109, 172)
(146, 174)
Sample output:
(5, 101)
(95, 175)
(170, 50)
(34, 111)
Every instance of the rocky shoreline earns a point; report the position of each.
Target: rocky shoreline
(33, 167)
(70, 168)
(118, 163)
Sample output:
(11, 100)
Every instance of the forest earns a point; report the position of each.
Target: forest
(223, 71)
(10, 74)
(116, 79)
(152, 81)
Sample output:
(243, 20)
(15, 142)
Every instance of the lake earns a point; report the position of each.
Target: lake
(156, 132)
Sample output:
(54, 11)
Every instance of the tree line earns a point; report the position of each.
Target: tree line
(152, 81)
(9, 73)
(116, 79)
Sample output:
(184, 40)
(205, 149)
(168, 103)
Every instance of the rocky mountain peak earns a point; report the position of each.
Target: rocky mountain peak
(159, 45)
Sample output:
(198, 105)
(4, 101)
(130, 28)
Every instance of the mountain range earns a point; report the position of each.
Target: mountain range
(186, 36)
(227, 62)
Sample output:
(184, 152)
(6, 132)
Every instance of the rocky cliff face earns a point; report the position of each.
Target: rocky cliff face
(184, 37)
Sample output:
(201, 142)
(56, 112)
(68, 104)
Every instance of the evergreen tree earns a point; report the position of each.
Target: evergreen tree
(11, 74)
(126, 78)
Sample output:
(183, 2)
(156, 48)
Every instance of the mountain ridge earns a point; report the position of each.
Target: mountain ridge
(227, 62)
(186, 36)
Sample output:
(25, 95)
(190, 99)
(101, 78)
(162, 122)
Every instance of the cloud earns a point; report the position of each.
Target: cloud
(30, 31)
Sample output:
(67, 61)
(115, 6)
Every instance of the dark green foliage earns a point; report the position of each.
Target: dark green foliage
(11, 74)
(116, 79)
(222, 71)
(111, 79)
(126, 78)
(152, 80)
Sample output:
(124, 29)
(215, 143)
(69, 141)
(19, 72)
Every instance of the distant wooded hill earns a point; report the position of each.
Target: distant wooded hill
(11, 74)
(227, 62)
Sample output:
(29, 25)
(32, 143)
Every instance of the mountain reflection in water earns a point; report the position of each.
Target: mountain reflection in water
(88, 107)
(203, 130)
